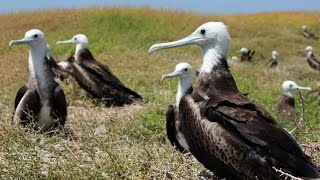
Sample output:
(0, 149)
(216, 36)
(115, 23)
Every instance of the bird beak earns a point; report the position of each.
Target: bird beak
(303, 88)
(192, 39)
(24, 40)
(65, 42)
(171, 75)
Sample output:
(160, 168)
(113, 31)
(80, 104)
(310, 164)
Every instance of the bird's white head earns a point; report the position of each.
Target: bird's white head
(33, 38)
(183, 71)
(80, 40)
(289, 86)
(309, 49)
(213, 39)
(243, 50)
(304, 27)
(274, 54)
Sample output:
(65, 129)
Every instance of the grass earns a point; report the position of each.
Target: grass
(130, 142)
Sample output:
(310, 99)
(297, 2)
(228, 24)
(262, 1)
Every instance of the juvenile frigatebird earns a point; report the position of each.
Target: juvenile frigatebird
(273, 61)
(286, 105)
(95, 77)
(173, 124)
(312, 60)
(41, 101)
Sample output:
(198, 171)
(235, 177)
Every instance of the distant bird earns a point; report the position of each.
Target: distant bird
(95, 77)
(312, 60)
(230, 135)
(41, 101)
(273, 61)
(306, 33)
(247, 54)
(285, 106)
(173, 124)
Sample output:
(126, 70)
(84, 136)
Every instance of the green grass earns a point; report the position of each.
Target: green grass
(134, 145)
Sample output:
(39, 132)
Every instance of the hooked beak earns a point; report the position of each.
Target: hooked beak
(303, 88)
(24, 40)
(192, 39)
(65, 42)
(171, 75)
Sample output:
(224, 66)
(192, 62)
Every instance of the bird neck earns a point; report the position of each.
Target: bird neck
(39, 69)
(288, 93)
(79, 48)
(183, 86)
(274, 57)
(309, 54)
(211, 57)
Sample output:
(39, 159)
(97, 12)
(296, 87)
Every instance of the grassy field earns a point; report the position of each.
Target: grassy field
(130, 142)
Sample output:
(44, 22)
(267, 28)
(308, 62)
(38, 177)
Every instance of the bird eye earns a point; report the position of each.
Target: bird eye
(290, 85)
(75, 39)
(203, 31)
(186, 69)
(35, 36)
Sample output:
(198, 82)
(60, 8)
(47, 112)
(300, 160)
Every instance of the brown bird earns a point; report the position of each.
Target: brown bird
(286, 105)
(307, 34)
(230, 135)
(96, 78)
(41, 100)
(247, 54)
(311, 59)
(173, 123)
(273, 61)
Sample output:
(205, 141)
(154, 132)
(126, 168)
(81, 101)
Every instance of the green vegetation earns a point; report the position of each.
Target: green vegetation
(134, 145)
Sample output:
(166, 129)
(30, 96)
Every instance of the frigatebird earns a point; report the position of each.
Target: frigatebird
(273, 61)
(307, 34)
(286, 105)
(173, 124)
(246, 54)
(95, 77)
(312, 60)
(41, 101)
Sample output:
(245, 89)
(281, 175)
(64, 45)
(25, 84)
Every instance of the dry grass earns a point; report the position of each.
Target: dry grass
(130, 142)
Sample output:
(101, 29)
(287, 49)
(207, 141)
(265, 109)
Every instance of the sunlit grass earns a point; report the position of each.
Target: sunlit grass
(134, 144)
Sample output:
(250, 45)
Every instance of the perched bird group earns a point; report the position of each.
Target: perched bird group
(41, 102)
(230, 135)
(223, 129)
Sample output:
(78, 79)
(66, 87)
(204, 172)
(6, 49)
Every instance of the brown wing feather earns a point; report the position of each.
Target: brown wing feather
(28, 108)
(19, 95)
(171, 129)
(98, 80)
(59, 106)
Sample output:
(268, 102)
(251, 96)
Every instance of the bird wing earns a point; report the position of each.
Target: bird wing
(101, 71)
(23, 89)
(28, 107)
(254, 126)
(171, 129)
(59, 105)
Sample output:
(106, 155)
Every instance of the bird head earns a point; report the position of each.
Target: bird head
(289, 86)
(208, 35)
(33, 37)
(182, 70)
